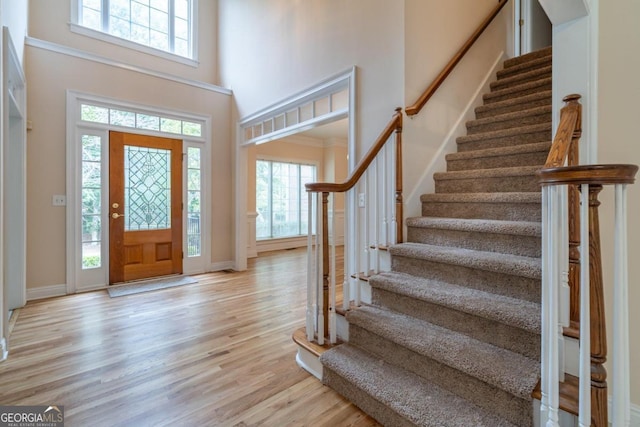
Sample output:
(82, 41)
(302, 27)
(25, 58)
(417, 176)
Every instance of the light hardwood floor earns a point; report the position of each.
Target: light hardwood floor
(215, 353)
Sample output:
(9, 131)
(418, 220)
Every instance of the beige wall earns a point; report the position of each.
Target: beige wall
(49, 20)
(271, 50)
(618, 142)
(434, 31)
(49, 75)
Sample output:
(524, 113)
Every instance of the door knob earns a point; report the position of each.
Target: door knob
(116, 215)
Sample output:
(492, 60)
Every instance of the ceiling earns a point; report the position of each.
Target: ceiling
(337, 129)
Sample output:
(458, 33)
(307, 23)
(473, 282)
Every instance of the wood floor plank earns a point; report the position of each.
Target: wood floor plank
(215, 353)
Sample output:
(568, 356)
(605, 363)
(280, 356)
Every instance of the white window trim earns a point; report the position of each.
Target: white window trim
(345, 80)
(97, 278)
(193, 61)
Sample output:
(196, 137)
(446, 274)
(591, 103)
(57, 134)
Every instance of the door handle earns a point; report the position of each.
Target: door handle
(116, 215)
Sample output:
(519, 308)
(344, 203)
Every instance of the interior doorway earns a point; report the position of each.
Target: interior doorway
(535, 27)
(145, 206)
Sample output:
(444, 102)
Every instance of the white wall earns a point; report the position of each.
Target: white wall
(434, 31)
(15, 16)
(49, 20)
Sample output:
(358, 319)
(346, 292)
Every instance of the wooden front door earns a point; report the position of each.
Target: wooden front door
(145, 207)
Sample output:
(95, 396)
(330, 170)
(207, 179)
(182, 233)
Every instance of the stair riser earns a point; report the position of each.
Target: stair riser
(486, 396)
(524, 68)
(490, 242)
(506, 161)
(491, 110)
(512, 93)
(525, 183)
(500, 211)
(474, 128)
(362, 400)
(519, 78)
(488, 281)
(507, 141)
(513, 62)
(520, 341)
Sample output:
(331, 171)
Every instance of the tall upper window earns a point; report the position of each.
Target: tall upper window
(281, 199)
(161, 24)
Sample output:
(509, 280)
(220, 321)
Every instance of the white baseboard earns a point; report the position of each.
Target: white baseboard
(219, 266)
(4, 351)
(43, 292)
(281, 244)
(438, 163)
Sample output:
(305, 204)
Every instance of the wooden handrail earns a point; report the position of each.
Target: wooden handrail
(394, 125)
(437, 82)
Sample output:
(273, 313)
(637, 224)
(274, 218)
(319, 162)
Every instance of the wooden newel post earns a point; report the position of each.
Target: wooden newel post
(325, 261)
(599, 394)
(573, 159)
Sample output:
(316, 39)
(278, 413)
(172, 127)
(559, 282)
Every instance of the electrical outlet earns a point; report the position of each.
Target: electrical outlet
(59, 200)
(361, 200)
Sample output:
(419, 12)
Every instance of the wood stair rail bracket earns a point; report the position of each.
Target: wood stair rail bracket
(414, 109)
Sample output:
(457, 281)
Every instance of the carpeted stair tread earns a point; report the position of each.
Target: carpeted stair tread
(508, 179)
(532, 64)
(496, 134)
(540, 53)
(487, 173)
(508, 237)
(514, 104)
(529, 134)
(513, 80)
(515, 197)
(397, 397)
(525, 88)
(528, 267)
(493, 365)
(500, 151)
(517, 228)
(514, 312)
(510, 156)
(530, 116)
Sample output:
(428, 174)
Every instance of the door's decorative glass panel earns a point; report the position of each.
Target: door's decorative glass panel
(147, 188)
(194, 176)
(91, 201)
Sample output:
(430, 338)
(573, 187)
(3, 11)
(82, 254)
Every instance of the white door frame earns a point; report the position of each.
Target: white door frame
(251, 130)
(97, 278)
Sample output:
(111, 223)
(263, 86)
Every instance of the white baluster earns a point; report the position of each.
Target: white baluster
(621, 392)
(385, 207)
(310, 269)
(347, 251)
(544, 362)
(554, 280)
(584, 417)
(376, 226)
(332, 273)
(394, 228)
(319, 275)
(365, 232)
(356, 247)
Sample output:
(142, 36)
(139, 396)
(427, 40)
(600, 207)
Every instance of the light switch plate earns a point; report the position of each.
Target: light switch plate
(59, 200)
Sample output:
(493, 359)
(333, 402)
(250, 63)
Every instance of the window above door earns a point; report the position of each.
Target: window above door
(165, 28)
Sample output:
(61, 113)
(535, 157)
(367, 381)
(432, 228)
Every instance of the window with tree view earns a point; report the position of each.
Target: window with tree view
(161, 24)
(281, 200)
(91, 201)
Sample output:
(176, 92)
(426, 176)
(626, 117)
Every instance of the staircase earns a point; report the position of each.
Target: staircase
(452, 337)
